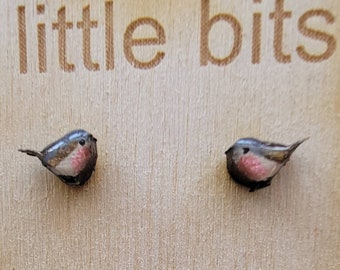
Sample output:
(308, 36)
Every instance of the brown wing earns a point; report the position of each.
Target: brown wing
(278, 155)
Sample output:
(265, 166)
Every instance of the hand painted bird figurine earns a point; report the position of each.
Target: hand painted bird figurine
(254, 163)
(72, 158)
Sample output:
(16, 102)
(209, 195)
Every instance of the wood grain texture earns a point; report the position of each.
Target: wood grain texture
(160, 197)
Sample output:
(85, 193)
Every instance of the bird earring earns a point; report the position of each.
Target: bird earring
(72, 158)
(250, 162)
(254, 163)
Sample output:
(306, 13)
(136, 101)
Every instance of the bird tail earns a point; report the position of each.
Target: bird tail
(295, 145)
(283, 153)
(32, 153)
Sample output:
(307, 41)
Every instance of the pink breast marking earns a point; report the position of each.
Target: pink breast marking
(252, 167)
(80, 159)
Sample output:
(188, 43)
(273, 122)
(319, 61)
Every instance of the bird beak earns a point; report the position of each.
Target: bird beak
(92, 138)
(226, 152)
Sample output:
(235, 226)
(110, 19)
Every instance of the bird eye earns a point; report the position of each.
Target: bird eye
(245, 150)
(82, 142)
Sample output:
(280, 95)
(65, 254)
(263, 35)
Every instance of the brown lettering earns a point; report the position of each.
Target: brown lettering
(40, 9)
(22, 39)
(41, 41)
(256, 46)
(62, 26)
(206, 25)
(109, 49)
(317, 35)
(42, 47)
(278, 16)
(129, 41)
(86, 25)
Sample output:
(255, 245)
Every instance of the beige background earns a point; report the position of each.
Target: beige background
(161, 197)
